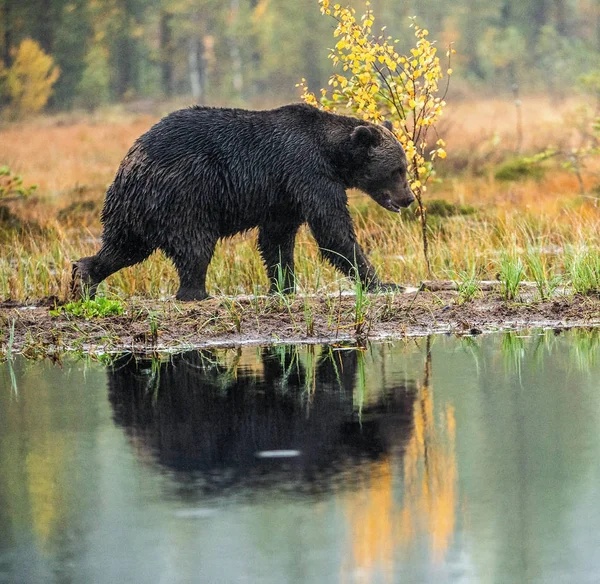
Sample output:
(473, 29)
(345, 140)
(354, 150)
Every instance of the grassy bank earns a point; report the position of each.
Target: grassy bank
(150, 326)
(490, 217)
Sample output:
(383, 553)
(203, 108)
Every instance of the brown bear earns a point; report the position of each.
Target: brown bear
(204, 173)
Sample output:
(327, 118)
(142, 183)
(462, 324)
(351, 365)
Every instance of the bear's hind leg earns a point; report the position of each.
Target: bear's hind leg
(276, 245)
(191, 265)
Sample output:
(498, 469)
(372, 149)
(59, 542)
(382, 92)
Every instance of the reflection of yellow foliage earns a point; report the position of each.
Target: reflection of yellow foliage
(378, 526)
(370, 514)
(43, 481)
(430, 477)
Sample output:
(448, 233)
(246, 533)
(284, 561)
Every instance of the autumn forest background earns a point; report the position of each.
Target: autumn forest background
(254, 51)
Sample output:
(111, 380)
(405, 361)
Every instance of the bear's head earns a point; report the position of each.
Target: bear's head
(381, 169)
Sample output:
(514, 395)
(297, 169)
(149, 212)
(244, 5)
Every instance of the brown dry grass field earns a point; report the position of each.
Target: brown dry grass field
(540, 224)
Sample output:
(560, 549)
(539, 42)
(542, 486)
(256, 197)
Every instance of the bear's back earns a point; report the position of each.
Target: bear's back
(249, 149)
(228, 130)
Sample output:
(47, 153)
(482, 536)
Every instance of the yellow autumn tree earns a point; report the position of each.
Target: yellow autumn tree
(27, 83)
(378, 83)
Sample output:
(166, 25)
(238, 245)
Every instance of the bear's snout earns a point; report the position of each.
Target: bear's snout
(408, 200)
(396, 201)
(393, 202)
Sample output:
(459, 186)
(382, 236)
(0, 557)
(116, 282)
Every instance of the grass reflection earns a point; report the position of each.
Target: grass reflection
(582, 353)
(513, 352)
(584, 348)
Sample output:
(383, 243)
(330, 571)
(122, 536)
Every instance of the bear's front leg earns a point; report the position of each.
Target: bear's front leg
(331, 225)
(335, 236)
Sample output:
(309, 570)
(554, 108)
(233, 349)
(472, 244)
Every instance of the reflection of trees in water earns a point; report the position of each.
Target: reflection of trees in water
(209, 413)
(37, 482)
(379, 524)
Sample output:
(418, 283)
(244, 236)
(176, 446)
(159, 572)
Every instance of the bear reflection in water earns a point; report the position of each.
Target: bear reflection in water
(200, 417)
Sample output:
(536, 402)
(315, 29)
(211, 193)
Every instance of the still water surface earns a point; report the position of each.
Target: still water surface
(435, 460)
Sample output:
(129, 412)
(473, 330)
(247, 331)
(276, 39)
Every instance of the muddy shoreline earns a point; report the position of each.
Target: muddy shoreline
(34, 328)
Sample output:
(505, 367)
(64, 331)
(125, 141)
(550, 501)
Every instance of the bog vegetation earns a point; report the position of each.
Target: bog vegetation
(516, 199)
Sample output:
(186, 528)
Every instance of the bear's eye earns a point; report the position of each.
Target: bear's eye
(399, 171)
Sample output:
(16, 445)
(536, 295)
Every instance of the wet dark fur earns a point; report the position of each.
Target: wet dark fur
(205, 173)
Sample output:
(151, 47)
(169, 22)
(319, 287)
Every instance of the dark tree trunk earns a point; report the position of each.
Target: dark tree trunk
(6, 33)
(237, 79)
(505, 14)
(196, 70)
(598, 24)
(539, 15)
(46, 25)
(167, 54)
(561, 18)
(471, 27)
(256, 58)
(125, 52)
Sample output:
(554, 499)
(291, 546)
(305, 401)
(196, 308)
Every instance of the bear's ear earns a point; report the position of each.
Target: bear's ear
(364, 136)
(388, 125)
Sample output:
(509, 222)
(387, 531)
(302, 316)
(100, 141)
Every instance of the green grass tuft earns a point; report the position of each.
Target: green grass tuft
(511, 275)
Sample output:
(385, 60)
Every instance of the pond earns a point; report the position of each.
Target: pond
(438, 459)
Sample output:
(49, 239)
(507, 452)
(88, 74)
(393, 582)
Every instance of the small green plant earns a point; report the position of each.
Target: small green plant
(583, 268)
(362, 303)
(284, 290)
(388, 311)
(11, 185)
(309, 318)
(546, 281)
(511, 275)
(523, 167)
(468, 285)
(283, 280)
(154, 326)
(87, 308)
(235, 311)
